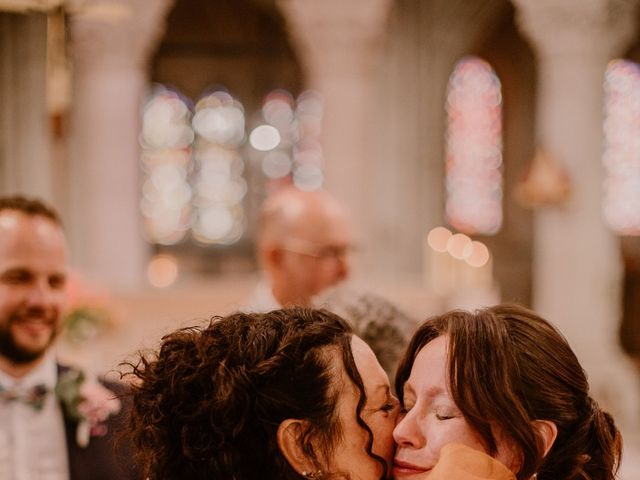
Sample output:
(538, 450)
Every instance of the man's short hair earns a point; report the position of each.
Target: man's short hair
(30, 206)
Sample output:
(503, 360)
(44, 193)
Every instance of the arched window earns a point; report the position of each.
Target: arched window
(194, 160)
(474, 148)
(192, 168)
(622, 147)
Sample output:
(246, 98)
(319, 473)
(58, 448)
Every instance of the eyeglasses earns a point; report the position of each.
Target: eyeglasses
(319, 251)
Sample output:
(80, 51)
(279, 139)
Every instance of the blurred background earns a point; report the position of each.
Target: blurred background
(486, 151)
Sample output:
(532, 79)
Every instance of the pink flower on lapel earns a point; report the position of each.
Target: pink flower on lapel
(87, 403)
(97, 404)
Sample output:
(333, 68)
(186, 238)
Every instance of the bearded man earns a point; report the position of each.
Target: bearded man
(53, 423)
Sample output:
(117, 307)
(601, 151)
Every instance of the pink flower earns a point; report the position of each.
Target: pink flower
(96, 406)
(98, 403)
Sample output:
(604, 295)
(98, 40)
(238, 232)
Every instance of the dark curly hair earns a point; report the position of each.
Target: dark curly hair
(210, 403)
(509, 367)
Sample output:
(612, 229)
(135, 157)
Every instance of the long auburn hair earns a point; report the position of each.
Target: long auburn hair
(509, 367)
(209, 404)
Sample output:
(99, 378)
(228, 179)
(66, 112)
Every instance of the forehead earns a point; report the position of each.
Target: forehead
(430, 368)
(373, 375)
(322, 224)
(29, 238)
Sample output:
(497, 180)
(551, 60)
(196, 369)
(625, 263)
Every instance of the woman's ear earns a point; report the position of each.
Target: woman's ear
(289, 441)
(547, 433)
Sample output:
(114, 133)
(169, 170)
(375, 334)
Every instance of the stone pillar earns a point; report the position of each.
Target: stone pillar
(340, 44)
(577, 264)
(25, 153)
(111, 46)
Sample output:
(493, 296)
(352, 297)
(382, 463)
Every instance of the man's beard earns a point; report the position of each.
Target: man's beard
(11, 350)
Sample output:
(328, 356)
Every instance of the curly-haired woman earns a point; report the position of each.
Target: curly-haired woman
(503, 381)
(288, 394)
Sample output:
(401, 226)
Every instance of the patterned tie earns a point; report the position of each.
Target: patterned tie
(34, 396)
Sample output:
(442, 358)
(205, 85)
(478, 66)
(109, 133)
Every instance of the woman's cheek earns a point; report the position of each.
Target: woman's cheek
(387, 437)
(382, 428)
(455, 430)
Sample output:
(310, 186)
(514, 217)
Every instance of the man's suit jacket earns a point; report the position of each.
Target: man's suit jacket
(106, 457)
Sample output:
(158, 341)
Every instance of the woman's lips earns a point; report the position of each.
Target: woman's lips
(401, 468)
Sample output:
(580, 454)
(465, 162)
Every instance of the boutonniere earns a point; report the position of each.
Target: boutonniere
(89, 404)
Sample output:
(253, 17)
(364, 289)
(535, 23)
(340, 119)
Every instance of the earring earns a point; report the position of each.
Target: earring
(317, 475)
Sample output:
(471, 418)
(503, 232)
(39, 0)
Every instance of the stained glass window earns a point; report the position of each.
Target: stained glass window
(474, 148)
(622, 147)
(192, 168)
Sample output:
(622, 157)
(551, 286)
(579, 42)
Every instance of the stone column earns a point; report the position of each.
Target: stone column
(25, 153)
(577, 264)
(111, 45)
(340, 44)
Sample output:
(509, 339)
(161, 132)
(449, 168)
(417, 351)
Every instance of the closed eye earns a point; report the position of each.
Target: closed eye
(388, 407)
(444, 417)
(404, 408)
(447, 413)
(391, 404)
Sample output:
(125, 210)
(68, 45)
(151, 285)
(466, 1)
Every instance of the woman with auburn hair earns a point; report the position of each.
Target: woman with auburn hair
(503, 381)
(289, 394)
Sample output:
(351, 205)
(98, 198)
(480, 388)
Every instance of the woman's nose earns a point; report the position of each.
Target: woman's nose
(408, 432)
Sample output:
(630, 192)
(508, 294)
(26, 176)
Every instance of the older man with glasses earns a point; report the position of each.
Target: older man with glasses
(304, 243)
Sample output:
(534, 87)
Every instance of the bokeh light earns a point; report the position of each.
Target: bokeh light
(220, 124)
(276, 165)
(457, 244)
(162, 270)
(166, 140)
(165, 122)
(438, 238)
(622, 147)
(264, 138)
(193, 170)
(218, 183)
(476, 254)
(308, 177)
(277, 109)
(290, 136)
(474, 148)
(219, 119)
